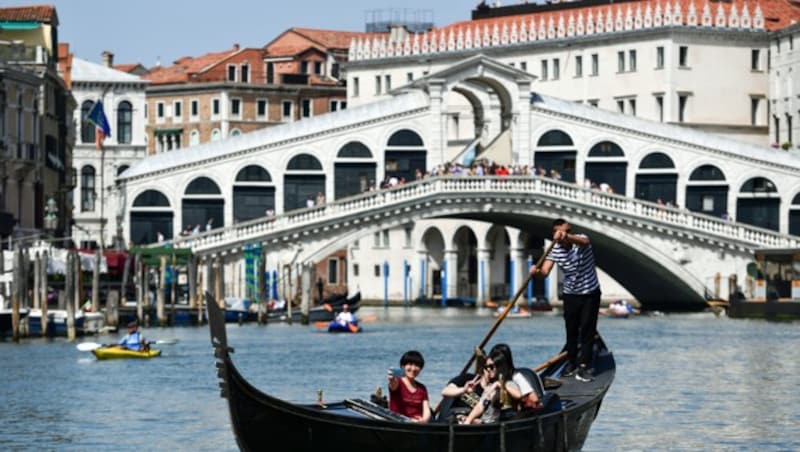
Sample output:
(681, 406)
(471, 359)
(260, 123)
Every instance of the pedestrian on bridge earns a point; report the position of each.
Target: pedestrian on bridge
(574, 256)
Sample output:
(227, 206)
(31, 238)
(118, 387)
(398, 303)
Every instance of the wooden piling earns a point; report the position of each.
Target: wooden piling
(200, 295)
(25, 296)
(288, 296)
(218, 294)
(69, 281)
(162, 284)
(96, 282)
(262, 289)
(43, 284)
(141, 286)
(191, 276)
(126, 276)
(306, 294)
(37, 275)
(77, 298)
(112, 309)
(173, 290)
(15, 297)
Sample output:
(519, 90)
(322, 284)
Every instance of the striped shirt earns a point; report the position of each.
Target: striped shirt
(577, 264)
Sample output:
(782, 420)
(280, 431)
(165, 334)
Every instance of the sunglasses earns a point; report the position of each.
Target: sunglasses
(489, 367)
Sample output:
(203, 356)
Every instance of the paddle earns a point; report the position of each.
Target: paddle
(502, 315)
(89, 346)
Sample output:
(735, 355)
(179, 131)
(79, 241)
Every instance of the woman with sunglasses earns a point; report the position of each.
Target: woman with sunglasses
(490, 405)
(464, 391)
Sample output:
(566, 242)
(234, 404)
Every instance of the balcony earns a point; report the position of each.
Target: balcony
(21, 54)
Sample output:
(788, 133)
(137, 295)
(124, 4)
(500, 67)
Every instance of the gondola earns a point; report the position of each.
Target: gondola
(319, 313)
(260, 420)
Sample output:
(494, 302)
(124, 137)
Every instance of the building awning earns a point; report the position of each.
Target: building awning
(7, 25)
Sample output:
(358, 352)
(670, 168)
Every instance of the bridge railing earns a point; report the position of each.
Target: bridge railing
(355, 206)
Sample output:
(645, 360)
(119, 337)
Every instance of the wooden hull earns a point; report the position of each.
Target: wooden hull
(258, 418)
(771, 310)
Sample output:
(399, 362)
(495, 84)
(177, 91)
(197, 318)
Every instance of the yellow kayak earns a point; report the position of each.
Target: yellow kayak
(123, 353)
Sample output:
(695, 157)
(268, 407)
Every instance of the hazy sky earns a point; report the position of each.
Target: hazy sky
(146, 30)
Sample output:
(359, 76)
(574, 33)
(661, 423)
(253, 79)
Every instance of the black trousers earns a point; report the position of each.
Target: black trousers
(580, 319)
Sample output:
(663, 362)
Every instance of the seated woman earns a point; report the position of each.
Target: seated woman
(407, 396)
(464, 391)
(491, 402)
(529, 397)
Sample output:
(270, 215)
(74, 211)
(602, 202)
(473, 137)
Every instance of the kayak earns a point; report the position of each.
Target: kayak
(123, 353)
(336, 327)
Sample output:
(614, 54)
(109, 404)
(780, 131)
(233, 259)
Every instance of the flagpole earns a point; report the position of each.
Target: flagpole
(102, 197)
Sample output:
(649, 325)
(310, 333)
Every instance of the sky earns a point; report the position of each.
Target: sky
(147, 31)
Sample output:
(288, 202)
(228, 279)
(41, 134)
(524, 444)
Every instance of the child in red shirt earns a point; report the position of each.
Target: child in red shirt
(407, 396)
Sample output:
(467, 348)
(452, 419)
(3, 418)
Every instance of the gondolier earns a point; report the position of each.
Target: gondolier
(581, 292)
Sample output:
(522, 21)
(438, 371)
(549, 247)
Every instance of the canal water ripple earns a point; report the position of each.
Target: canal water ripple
(684, 381)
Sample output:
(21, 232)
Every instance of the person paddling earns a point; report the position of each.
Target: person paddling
(134, 340)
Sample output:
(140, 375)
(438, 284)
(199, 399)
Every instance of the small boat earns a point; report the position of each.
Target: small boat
(357, 425)
(124, 353)
(350, 327)
(515, 313)
(318, 313)
(56, 322)
(5, 319)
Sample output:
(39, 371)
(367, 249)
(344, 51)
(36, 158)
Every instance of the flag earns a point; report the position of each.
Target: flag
(97, 117)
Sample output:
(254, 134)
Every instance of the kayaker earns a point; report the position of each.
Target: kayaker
(134, 340)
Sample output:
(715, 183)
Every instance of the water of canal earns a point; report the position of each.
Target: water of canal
(684, 381)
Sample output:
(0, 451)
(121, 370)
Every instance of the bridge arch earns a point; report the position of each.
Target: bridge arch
(465, 245)
(758, 203)
(303, 180)
(794, 214)
(353, 170)
(556, 154)
(404, 153)
(203, 204)
(606, 163)
(432, 250)
(707, 190)
(253, 193)
(151, 213)
(497, 269)
(657, 178)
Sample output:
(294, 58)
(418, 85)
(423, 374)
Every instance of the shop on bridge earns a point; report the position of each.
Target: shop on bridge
(759, 204)
(657, 179)
(606, 164)
(203, 205)
(707, 191)
(151, 215)
(555, 155)
(405, 154)
(304, 181)
(354, 170)
(253, 193)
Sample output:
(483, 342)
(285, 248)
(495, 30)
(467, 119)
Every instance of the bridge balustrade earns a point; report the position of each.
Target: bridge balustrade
(350, 209)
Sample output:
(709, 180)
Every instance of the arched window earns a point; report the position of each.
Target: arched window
(203, 186)
(606, 149)
(121, 169)
(215, 135)
(151, 198)
(794, 216)
(657, 160)
(555, 138)
(758, 185)
(304, 162)
(87, 128)
(796, 200)
(354, 149)
(194, 138)
(124, 122)
(253, 173)
(405, 137)
(87, 189)
(236, 132)
(707, 172)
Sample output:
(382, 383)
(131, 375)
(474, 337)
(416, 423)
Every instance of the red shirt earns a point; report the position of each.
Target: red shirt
(408, 403)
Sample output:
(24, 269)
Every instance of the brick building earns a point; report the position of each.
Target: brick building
(224, 94)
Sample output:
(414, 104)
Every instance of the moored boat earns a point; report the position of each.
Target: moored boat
(124, 353)
(775, 290)
(56, 322)
(5, 319)
(359, 425)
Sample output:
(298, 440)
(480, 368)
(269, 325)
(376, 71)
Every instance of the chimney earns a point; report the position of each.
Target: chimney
(236, 46)
(108, 58)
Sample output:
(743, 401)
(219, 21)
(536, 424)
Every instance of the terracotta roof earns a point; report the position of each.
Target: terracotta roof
(127, 67)
(325, 40)
(333, 39)
(40, 13)
(777, 13)
(184, 67)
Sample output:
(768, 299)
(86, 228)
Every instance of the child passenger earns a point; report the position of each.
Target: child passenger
(407, 396)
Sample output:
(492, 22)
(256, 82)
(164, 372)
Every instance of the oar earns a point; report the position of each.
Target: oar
(502, 315)
(89, 346)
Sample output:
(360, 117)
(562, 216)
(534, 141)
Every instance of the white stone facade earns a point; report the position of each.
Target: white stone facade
(784, 89)
(92, 82)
